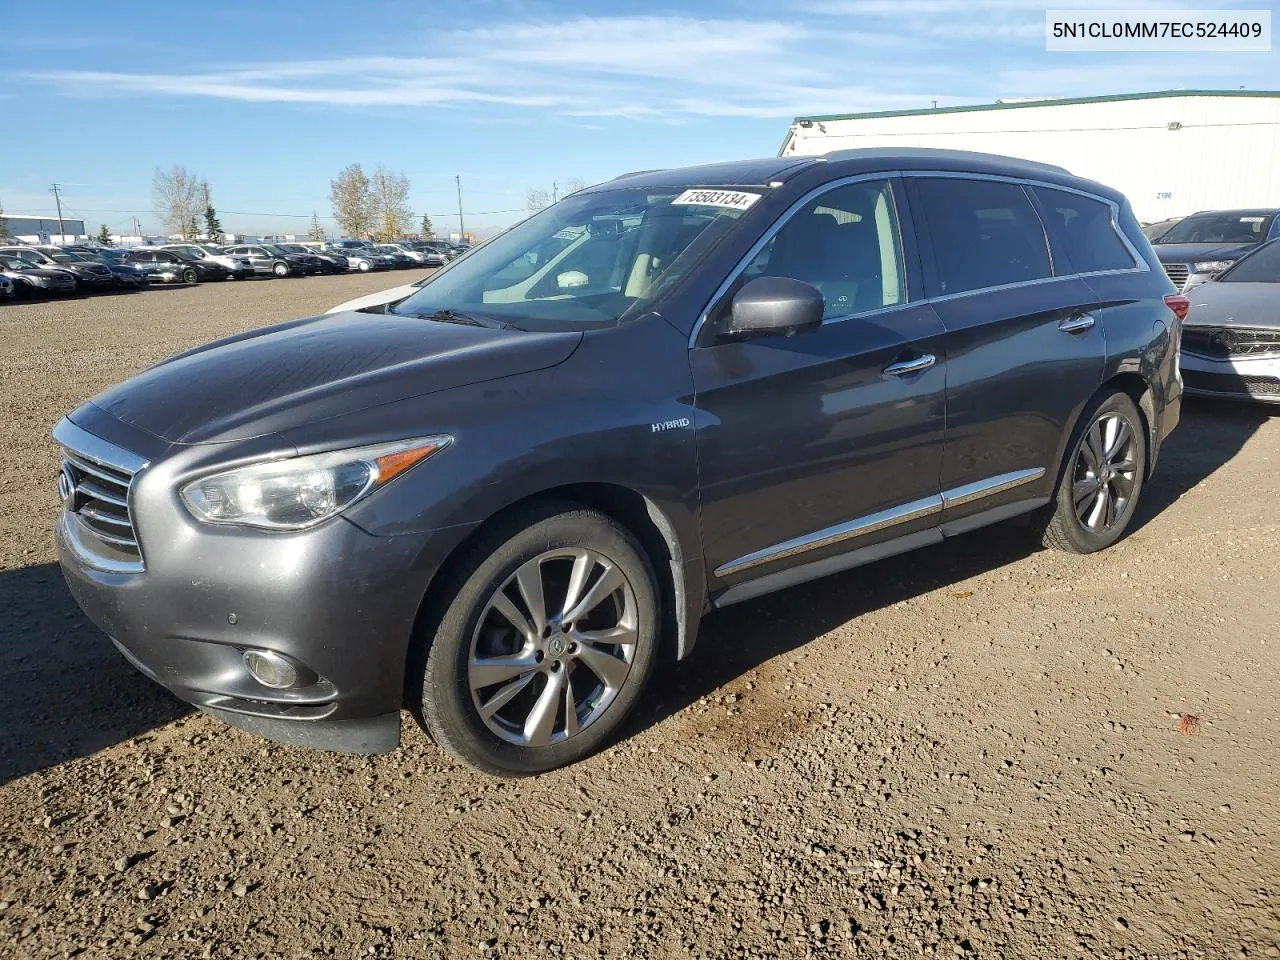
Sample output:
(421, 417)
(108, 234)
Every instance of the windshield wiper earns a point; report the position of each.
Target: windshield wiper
(448, 315)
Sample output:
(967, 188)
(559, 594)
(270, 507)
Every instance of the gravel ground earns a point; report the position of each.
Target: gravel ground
(969, 751)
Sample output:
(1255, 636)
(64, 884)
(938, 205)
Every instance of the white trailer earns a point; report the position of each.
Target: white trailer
(1172, 153)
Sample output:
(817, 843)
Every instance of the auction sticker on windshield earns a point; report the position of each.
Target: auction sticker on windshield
(734, 199)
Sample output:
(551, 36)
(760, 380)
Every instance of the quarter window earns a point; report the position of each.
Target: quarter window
(1082, 229)
(984, 234)
(846, 243)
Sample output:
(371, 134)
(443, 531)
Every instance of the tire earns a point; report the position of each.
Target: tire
(280, 269)
(463, 664)
(1088, 516)
(363, 266)
(189, 275)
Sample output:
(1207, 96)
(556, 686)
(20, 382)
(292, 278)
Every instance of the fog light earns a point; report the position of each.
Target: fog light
(271, 669)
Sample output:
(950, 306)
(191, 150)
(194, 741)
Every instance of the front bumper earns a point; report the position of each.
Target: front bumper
(1243, 378)
(336, 600)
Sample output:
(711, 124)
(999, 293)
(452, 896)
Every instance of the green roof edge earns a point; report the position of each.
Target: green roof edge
(1063, 101)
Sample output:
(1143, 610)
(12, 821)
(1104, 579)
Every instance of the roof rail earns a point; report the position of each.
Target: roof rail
(636, 173)
(926, 153)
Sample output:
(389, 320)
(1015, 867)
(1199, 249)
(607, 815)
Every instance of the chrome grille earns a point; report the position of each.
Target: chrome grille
(94, 484)
(98, 494)
(1223, 342)
(1177, 272)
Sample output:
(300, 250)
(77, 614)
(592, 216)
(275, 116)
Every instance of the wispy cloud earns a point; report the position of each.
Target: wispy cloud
(839, 55)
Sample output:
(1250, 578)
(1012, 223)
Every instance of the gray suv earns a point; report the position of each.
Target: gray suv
(498, 501)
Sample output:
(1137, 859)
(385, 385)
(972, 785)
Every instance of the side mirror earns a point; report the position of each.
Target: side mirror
(775, 307)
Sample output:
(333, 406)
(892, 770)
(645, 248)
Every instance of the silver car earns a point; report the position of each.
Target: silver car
(1231, 337)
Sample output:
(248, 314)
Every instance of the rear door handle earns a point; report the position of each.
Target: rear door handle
(914, 365)
(1077, 324)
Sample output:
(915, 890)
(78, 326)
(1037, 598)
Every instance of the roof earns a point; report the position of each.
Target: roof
(730, 173)
(1032, 104)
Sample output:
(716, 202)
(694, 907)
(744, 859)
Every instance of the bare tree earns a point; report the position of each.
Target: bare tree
(389, 192)
(352, 203)
(178, 196)
(537, 198)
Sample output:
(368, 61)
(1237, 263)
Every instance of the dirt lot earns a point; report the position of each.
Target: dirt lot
(973, 750)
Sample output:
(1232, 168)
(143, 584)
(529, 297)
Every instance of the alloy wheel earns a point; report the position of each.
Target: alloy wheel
(553, 647)
(1105, 473)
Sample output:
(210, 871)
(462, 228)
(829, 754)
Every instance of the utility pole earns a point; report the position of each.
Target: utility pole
(461, 229)
(555, 192)
(62, 233)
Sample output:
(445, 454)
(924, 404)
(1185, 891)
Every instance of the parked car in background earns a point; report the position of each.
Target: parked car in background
(418, 256)
(125, 275)
(329, 262)
(31, 279)
(269, 260)
(89, 277)
(6, 287)
(461, 504)
(351, 244)
(1204, 244)
(238, 268)
(361, 259)
(1155, 231)
(169, 266)
(1231, 339)
(399, 259)
(371, 301)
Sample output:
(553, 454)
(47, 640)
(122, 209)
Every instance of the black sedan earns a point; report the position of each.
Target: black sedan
(33, 280)
(124, 275)
(165, 266)
(328, 262)
(89, 277)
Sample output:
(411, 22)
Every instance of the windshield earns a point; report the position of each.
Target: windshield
(16, 263)
(590, 260)
(1261, 266)
(272, 248)
(31, 256)
(1220, 228)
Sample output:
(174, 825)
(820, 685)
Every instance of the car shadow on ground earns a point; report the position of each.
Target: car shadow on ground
(65, 691)
(740, 638)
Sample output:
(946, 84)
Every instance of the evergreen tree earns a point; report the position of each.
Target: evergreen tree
(427, 232)
(191, 229)
(212, 225)
(104, 236)
(317, 231)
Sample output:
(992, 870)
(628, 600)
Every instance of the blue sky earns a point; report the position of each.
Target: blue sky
(268, 100)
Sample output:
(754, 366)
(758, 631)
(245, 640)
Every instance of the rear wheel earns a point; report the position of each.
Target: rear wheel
(1102, 479)
(546, 645)
(189, 275)
(363, 266)
(280, 269)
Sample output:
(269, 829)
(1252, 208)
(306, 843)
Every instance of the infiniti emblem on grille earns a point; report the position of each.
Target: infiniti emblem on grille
(67, 489)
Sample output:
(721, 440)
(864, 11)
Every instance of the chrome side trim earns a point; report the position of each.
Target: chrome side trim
(837, 534)
(914, 510)
(67, 434)
(957, 496)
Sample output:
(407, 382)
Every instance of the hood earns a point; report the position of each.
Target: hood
(1191, 252)
(49, 273)
(279, 377)
(1217, 304)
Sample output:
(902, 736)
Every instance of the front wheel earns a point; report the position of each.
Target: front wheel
(1101, 479)
(189, 275)
(280, 269)
(363, 266)
(546, 645)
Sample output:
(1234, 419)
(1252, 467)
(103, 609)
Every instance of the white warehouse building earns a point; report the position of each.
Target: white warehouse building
(1172, 153)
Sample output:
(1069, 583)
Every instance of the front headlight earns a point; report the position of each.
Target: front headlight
(300, 492)
(1211, 266)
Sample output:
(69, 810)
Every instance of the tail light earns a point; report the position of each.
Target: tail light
(1178, 304)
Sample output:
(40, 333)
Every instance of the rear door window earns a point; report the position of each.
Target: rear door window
(984, 233)
(1082, 229)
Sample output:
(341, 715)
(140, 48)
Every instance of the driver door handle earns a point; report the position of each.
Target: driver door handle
(914, 365)
(1077, 324)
